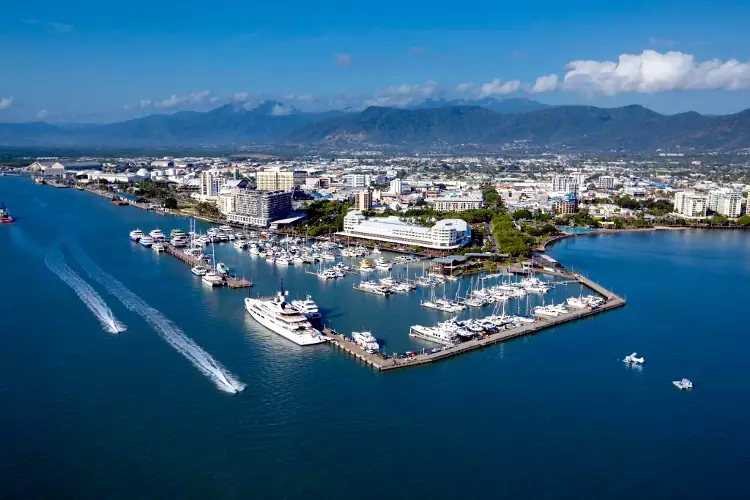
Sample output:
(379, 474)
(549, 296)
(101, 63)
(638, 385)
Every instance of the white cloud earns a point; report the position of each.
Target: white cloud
(546, 83)
(465, 87)
(5, 102)
(281, 110)
(42, 114)
(497, 86)
(652, 71)
(343, 60)
(192, 99)
(240, 96)
(404, 94)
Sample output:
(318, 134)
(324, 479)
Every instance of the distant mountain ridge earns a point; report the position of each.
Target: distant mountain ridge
(633, 128)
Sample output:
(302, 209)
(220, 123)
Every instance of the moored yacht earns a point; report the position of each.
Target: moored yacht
(157, 247)
(439, 335)
(198, 271)
(146, 241)
(212, 279)
(281, 317)
(136, 234)
(157, 235)
(308, 307)
(366, 341)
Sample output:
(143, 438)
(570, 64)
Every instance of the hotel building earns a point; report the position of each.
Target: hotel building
(446, 234)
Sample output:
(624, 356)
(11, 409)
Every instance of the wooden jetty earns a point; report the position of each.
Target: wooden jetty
(380, 363)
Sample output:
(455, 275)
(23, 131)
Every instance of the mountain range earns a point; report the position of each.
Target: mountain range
(487, 122)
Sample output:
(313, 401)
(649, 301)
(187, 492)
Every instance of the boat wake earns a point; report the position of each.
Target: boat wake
(169, 331)
(56, 263)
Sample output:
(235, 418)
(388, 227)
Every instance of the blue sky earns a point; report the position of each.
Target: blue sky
(87, 61)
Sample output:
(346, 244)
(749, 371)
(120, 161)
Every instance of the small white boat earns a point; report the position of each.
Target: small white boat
(222, 268)
(212, 279)
(633, 359)
(157, 247)
(683, 384)
(146, 241)
(198, 271)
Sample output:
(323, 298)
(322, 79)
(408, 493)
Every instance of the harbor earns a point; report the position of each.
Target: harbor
(380, 362)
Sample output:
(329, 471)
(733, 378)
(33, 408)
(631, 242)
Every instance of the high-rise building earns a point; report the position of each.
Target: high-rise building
(564, 184)
(726, 202)
(606, 182)
(275, 180)
(363, 200)
(396, 186)
(210, 183)
(565, 203)
(357, 180)
(260, 208)
(692, 205)
(459, 203)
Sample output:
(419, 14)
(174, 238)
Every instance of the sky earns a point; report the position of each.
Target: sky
(84, 61)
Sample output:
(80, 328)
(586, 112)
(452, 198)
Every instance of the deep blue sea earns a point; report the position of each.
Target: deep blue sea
(91, 414)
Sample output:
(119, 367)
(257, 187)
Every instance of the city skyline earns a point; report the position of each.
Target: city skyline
(77, 63)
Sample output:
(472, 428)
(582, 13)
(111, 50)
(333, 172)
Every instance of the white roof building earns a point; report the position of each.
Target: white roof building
(447, 234)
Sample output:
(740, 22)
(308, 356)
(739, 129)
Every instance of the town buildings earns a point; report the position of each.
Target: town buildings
(726, 202)
(275, 180)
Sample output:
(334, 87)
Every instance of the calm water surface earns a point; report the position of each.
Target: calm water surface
(89, 414)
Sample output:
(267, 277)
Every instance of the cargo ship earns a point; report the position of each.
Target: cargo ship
(5, 217)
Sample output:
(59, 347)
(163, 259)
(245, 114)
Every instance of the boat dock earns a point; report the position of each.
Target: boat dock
(381, 363)
(231, 281)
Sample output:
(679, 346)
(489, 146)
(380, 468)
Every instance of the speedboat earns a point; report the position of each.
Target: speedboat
(366, 341)
(157, 247)
(633, 359)
(146, 241)
(222, 268)
(683, 384)
(5, 217)
(136, 234)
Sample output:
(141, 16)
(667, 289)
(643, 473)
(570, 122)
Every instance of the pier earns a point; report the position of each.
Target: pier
(231, 281)
(380, 362)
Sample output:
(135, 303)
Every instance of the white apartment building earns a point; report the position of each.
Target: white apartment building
(357, 180)
(691, 205)
(726, 202)
(396, 186)
(564, 184)
(458, 203)
(445, 235)
(606, 182)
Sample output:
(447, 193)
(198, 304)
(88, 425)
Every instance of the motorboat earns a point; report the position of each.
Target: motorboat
(136, 235)
(157, 247)
(308, 307)
(157, 235)
(683, 384)
(438, 335)
(146, 241)
(366, 341)
(212, 279)
(5, 217)
(222, 268)
(198, 271)
(633, 359)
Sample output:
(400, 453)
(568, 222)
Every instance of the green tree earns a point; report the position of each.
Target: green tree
(523, 213)
(170, 203)
(744, 220)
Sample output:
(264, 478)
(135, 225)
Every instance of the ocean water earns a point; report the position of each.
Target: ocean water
(88, 413)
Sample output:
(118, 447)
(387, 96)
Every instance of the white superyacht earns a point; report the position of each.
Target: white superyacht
(281, 317)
